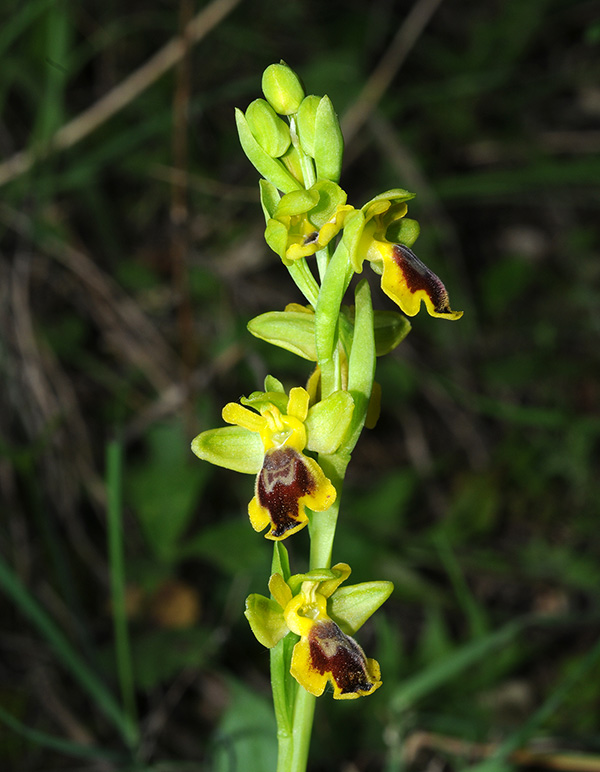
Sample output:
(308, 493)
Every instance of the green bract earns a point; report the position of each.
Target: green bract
(328, 142)
(271, 133)
(328, 421)
(282, 88)
(306, 121)
(271, 169)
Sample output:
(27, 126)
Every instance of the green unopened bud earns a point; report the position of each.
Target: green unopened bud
(307, 115)
(282, 88)
(271, 133)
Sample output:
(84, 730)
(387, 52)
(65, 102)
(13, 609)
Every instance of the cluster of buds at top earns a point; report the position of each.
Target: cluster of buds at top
(295, 143)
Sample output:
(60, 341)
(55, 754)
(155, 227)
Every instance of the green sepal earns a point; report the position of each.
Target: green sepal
(330, 197)
(270, 168)
(276, 236)
(390, 329)
(397, 195)
(350, 607)
(353, 230)
(271, 133)
(269, 198)
(297, 202)
(266, 620)
(305, 120)
(291, 330)
(327, 422)
(282, 88)
(404, 231)
(273, 384)
(232, 447)
(263, 399)
(328, 142)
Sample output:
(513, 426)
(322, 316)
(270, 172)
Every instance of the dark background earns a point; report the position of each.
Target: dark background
(131, 260)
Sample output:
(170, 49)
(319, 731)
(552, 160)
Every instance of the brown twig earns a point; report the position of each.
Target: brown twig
(382, 76)
(455, 746)
(122, 94)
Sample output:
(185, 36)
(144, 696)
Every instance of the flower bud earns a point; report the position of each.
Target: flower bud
(282, 88)
(271, 133)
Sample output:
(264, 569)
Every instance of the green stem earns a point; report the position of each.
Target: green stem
(323, 524)
(304, 711)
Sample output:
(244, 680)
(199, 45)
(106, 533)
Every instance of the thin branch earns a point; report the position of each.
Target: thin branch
(387, 69)
(122, 94)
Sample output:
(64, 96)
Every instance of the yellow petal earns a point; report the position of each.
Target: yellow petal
(287, 482)
(279, 590)
(328, 654)
(408, 281)
(236, 414)
(297, 405)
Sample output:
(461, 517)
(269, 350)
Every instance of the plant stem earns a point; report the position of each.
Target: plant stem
(304, 711)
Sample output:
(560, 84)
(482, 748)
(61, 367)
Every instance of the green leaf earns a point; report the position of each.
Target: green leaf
(327, 422)
(160, 655)
(232, 447)
(265, 617)
(164, 489)
(270, 168)
(350, 607)
(291, 330)
(247, 732)
(328, 142)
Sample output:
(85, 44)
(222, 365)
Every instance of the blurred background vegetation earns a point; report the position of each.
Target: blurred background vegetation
(131, 260)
